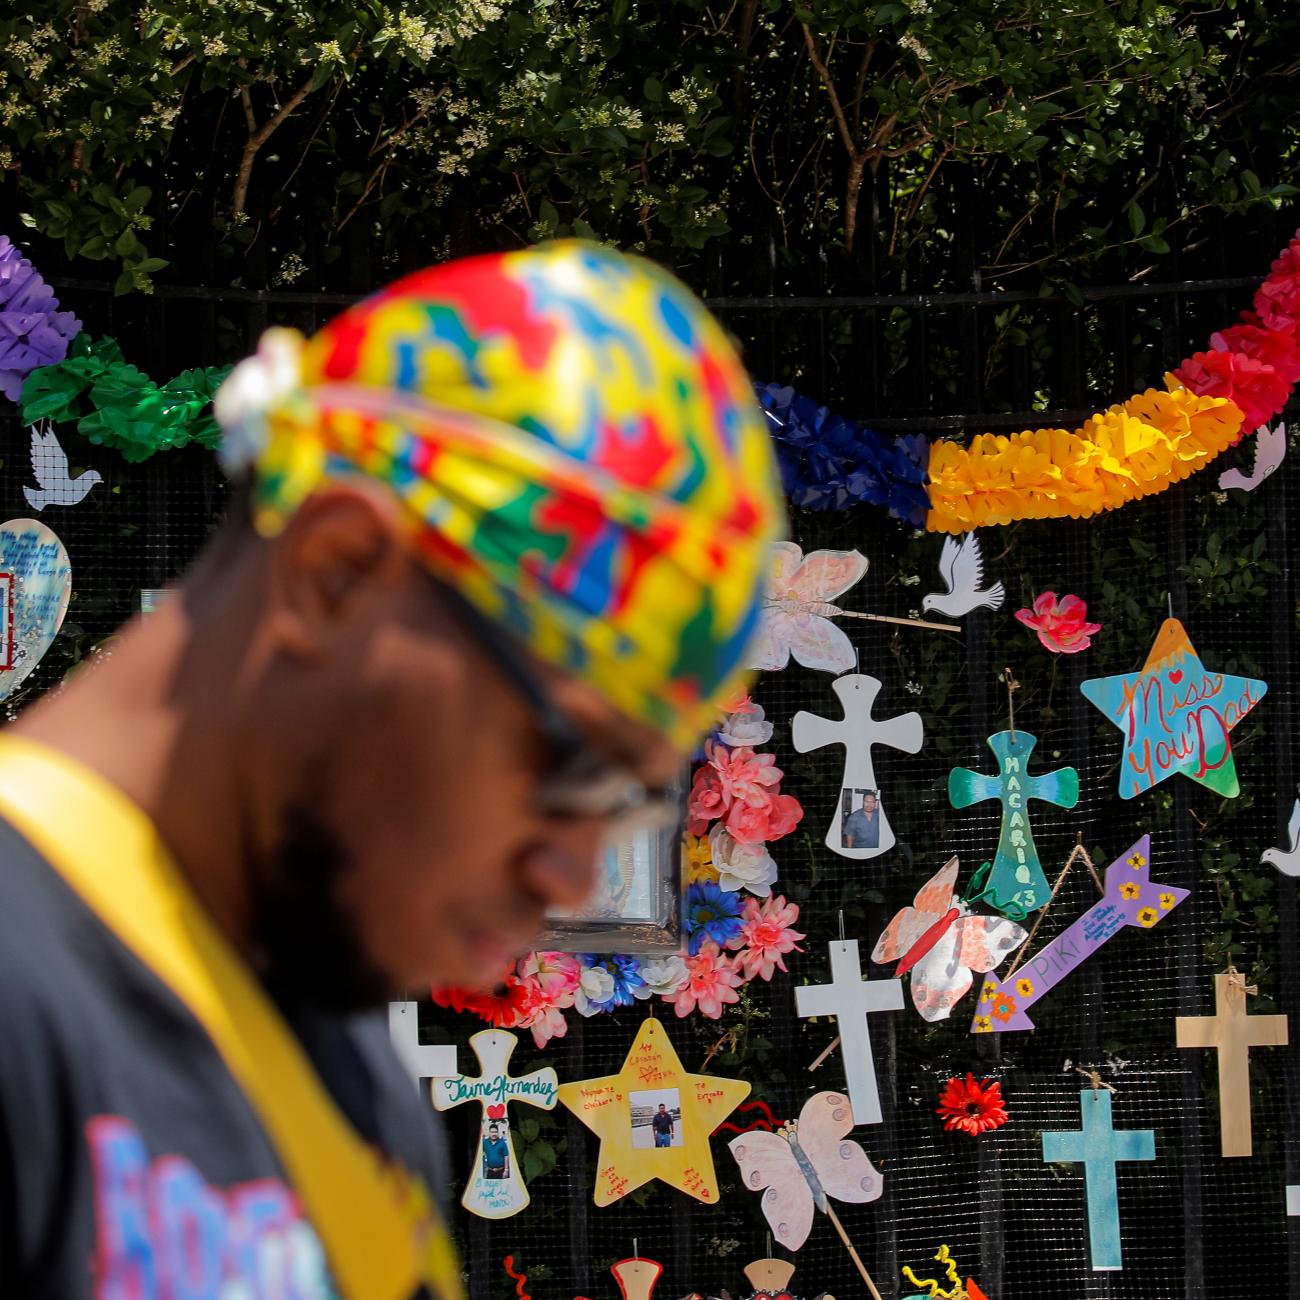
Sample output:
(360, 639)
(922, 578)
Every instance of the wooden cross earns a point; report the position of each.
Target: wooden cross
(858, 731)
(495, 1188)
(1016, 884)
(850, 999)
(1098, 1146)
(1233, 1033)
(420, 1060)
(1293, 1200)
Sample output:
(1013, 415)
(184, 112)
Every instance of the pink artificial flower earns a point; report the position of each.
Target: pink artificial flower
(767, 935)
(1278, 299)
(1257, 388)
(730, 777)
(540, 1012)
(1271, 347)
(556, 972)
(1062, 625)
(757, 824)
(711, 980)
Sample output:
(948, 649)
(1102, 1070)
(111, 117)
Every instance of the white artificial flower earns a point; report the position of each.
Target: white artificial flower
(595, 988)
(747, 726)
(662, 977)
(741, 866)
(254, 387)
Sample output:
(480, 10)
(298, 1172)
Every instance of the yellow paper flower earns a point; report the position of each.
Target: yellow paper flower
(1129, 889)
(982, 1025)
(1025, 988)
(1147, 916)
(1121, 454)
(1166, 902)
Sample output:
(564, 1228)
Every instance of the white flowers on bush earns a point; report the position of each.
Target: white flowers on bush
(741, 866)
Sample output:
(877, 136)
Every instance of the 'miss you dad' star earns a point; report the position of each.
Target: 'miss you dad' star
(1176, 716)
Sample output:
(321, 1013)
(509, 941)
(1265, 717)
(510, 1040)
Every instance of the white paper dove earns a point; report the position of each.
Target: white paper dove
(1287, 860)
(961, 566)
(50, 468)
(1270, 449)
(796, 617)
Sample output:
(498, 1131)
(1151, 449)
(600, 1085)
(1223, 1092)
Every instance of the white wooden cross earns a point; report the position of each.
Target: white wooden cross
(420, 1060)
(1293, 1200)
(858, 731)
(850, 999)
(1233, 1033)
(495, 1188)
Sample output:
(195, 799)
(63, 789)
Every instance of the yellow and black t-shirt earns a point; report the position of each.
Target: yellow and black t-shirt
(165, 1130)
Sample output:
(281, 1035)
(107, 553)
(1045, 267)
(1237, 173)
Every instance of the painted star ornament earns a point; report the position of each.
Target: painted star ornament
(1176, 716)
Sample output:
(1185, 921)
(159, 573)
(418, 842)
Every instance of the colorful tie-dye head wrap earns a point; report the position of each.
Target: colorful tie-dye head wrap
(576, 446)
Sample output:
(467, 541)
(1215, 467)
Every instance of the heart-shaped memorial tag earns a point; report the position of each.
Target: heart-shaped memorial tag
(35, 587)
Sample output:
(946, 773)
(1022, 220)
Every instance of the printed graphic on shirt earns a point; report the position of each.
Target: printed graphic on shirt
(164, 1232)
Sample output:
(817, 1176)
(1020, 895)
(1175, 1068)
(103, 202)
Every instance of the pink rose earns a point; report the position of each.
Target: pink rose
(1062, 625)
(707, 801)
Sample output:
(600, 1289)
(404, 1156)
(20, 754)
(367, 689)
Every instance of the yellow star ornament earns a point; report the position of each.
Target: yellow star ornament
(654, 1120)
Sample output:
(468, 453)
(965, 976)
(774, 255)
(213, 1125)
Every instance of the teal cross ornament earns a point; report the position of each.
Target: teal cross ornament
(1098, 1146)
(1015, 883)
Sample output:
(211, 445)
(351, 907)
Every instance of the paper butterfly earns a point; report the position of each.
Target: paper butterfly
(803, 1163)
(796, 618)
(941, 941)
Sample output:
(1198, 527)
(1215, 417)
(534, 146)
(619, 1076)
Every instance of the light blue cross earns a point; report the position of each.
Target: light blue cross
(1098, 1146)
(1016, 884)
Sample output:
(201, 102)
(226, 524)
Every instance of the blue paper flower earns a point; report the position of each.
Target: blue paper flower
(829, 463)
(33, 332)
(713, 914)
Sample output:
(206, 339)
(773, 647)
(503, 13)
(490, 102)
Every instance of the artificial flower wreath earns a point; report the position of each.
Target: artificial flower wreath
(736, 929)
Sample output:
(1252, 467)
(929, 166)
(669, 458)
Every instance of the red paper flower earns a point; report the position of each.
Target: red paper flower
(503, 1009)
(1062, 625)
(1271, 347)
(1278, 299)
(972, 1107)
(1257, 388)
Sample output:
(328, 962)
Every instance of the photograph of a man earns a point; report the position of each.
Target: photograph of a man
(656, 1116)
(663, 1126)
(861, 828)
(496, 1152)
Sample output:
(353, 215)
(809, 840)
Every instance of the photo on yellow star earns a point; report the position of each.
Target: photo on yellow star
(654, 1119)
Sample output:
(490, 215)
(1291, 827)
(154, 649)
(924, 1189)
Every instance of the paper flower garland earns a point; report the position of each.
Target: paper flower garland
(1131, 450)
(970, 1107)
(33, 332)
(116, 406)
(737, 930)
(1062, 625)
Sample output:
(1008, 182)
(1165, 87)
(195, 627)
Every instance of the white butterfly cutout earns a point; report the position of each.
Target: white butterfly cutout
(803, 1163)
(796, 617)
(1270, 450)
(941, 941)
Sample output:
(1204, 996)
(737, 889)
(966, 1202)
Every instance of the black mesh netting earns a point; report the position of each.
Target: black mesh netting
(1193, 1223)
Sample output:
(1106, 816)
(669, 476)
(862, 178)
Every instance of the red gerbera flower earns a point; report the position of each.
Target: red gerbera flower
(972, 1107)
(503, 1008)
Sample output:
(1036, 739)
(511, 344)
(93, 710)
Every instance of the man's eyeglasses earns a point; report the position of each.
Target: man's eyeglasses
(582, 779)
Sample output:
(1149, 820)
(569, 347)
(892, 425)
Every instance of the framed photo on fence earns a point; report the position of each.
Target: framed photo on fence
(637, 903)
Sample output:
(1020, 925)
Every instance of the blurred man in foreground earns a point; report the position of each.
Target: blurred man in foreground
(495, 557)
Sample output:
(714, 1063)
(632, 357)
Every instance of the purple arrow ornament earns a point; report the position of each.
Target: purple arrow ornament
(1131, 898)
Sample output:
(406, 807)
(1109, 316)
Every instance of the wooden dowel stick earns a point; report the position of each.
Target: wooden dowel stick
(853, 1254)
(905, 622)
(831, 1046)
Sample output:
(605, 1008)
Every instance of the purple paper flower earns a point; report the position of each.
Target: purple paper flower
(33, 332)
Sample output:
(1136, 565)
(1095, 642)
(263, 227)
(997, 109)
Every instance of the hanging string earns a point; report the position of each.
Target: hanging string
(1075, 854)
(1095, 1079)
(1012, 687)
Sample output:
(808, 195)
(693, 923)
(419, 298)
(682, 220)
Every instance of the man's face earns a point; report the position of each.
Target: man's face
(868, 804)
(395, 767)
(493, 1131)
(663, 1109)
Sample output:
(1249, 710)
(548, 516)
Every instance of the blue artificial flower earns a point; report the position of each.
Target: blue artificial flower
(829, 463)
(712, 913)
(626, 974)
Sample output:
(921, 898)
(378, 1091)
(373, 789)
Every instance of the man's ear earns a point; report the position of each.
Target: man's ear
(342, 554)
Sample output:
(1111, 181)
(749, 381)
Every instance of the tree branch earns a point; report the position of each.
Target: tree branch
(256, 139)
